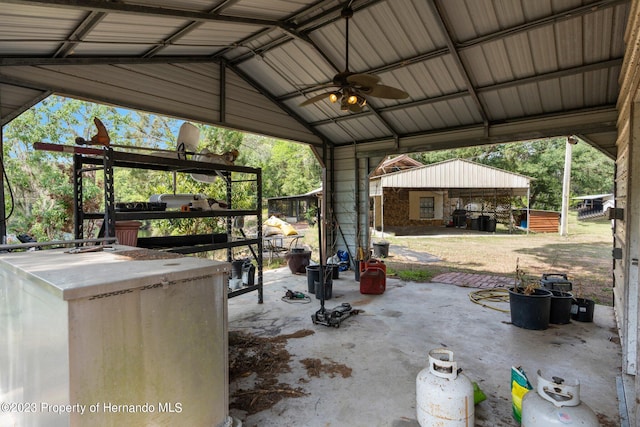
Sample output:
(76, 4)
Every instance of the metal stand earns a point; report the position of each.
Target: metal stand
(334, 316)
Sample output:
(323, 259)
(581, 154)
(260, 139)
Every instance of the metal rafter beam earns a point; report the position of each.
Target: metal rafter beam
(303, 29)
(186, 29)
(135, 9)
(459, 47)
(589, 120)
(104, 60)
(88, 23)
(482, 89)
(444, 25)
(284, 107)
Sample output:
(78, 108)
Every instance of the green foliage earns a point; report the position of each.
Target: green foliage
(542, 160)
(41, 187)
(290, 169)
(42, 184)
(411, 275)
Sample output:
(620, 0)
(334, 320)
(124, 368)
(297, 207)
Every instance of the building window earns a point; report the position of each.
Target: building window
(427, 208)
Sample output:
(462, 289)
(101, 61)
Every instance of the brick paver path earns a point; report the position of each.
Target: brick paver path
(471, 280)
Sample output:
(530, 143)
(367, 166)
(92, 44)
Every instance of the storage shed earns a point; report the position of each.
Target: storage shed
(540, 221)
(432, 195)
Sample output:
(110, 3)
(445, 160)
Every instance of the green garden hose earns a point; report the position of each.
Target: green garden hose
(490, 295)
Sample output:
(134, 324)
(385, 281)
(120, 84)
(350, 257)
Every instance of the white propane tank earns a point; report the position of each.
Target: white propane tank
(555, 403)
(444, 396)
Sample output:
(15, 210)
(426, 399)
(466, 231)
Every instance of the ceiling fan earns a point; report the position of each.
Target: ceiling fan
(352, 89)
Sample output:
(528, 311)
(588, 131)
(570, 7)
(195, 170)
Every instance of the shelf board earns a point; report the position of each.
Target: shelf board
(145, 161)
(243, 290)
(185, 250)
(127, 216)
(176, 244)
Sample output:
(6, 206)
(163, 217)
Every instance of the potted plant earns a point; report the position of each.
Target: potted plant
(529, 304)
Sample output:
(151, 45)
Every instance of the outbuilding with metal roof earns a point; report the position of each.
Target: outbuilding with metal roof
(439, 193)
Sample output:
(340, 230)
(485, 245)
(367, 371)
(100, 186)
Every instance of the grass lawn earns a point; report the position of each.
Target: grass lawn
(584, 255)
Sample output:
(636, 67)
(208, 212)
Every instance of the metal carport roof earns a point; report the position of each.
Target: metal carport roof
(477, 71)
(457, 175)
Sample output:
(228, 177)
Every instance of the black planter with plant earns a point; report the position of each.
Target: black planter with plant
(529, 304)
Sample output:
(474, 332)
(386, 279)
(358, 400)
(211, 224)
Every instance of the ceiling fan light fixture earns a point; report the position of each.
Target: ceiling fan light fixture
(353, 87)
(343, 104)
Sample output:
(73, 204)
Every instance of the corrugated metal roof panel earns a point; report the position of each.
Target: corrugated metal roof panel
(295, 67)
(286, 50)
(14, 98)
(24, 33)
(275, 9)
(352, 130)
(127, 29)
(197, 5)
(439, 115)
(215, 35)
(259, 115)
(456, 173)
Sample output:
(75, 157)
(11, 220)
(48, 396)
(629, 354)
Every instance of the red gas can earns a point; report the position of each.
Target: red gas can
(371, 264)
(373, 281)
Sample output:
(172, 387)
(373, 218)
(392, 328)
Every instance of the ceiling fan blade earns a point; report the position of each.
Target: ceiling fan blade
(382, 91)
(315, 99)
(363, 80)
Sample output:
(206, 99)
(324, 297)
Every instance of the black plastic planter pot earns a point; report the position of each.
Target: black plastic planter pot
(582, 310)
(530, 311)
(560, 308)
(313, 275)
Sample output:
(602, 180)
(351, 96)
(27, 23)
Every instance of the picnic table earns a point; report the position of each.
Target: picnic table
(277, 243)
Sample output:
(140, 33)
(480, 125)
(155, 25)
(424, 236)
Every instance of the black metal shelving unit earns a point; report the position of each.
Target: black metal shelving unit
(110, 159)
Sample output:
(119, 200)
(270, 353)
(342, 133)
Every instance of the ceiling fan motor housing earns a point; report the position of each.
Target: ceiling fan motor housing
(352, 87)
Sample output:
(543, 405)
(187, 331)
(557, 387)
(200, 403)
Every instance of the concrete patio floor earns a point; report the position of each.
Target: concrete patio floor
(387, 345)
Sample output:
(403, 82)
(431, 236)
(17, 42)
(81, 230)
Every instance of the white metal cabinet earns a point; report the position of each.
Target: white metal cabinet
(135, 338)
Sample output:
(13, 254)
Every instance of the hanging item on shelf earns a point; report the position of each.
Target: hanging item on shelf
(100, 138)
(176, 201)
(188, 138)
(227, 158)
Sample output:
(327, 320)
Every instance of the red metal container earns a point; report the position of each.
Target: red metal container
(372, 264)
(373, 281)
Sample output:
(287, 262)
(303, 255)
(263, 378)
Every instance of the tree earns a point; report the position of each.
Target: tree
(41, 183)
(291, 169)
(40, 187)
(542, 160)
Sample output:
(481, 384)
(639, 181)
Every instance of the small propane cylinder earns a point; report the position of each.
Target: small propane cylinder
(444, 396)
(555, 403)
